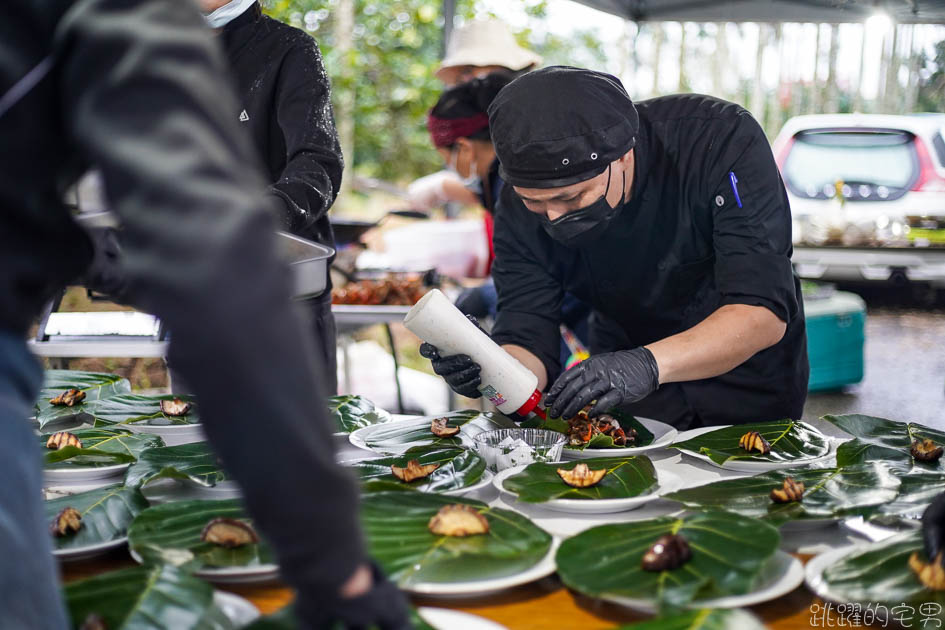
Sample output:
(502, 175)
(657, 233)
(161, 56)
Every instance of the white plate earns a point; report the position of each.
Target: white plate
(484, 481)
(545, 567)
(359, 437)
(783, 574)
(81, 474)
(751, 466)
(663, 436)
(237, 609)
(446, 619)
(172, 434)
(814, 571)
(390, 418)
(89, 551)
(231, 575)
(668, 482)
(167, 490)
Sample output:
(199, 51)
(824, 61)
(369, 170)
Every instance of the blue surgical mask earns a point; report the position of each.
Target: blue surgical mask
(473, 182)
(227, 13)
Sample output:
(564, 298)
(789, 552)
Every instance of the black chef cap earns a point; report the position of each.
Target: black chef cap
(560, 125)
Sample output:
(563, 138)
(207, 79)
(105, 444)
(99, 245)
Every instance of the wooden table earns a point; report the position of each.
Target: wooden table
(545, 604)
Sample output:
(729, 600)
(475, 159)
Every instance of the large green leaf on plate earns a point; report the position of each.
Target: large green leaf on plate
(459, 468)
(702, 619)
(195, 462)
(106, 514)
(829, 492)
(95, 385)
(626, 477)
(790, 441)
(878, 438)
(916, 492)
(627, 422)
(138, 409)
(351, 412)
(398, 538)
(170, 533)
(142, 598)
(878, 573)
(100, 447)
(729, 553)
(398, 436)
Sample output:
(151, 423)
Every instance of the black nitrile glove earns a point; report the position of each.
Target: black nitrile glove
(612, 379)
(459, 371)
(933, 529)
(383, 607)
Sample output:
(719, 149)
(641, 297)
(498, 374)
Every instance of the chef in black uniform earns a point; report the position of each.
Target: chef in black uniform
(669, 217)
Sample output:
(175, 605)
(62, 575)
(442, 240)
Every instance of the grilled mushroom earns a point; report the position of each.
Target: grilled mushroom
(926, 451)
(458, 520)
(176, 407)
(229, 533)
(439, 428)
(413, 471)
(669, 552)
(791, 491)
(68, 398)
(931, 574)
(581, 476)
(752, 441)
(62, 439)
(93, 622)
(66, 522)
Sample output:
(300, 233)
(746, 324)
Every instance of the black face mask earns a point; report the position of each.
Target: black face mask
(583, 226)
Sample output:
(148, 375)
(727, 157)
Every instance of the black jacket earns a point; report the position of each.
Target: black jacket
(137, 89)
(684, 244)
(284, 101)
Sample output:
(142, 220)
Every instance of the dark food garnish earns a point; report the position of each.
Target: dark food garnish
(926, 451)
(931, 574)
(582, 429)
(66, 522)
(176, 407)
(68, 398)
(404, 290)
(458, 520)
(62, 439)
(94, 622)
(413, 470)
(791, 491)
(669, 552)
(440, 429)
(752, 441)
(229, 533)
(581, 476)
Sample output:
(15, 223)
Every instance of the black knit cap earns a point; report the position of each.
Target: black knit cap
(561, 125)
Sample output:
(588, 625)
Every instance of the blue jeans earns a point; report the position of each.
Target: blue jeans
(29, 577)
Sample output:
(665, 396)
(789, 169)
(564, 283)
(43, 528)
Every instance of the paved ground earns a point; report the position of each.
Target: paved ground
(905, 363)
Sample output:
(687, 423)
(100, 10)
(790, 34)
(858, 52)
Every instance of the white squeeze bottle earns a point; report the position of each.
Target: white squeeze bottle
(508, 384)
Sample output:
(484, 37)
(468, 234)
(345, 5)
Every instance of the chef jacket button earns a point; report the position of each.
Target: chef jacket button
(593, 156)
(565, 161)
(719, 200)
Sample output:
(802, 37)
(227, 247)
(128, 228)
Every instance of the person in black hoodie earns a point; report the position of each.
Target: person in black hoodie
(134, 88)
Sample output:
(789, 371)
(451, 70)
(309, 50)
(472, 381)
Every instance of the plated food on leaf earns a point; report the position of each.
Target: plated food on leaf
(758, 446)
(428, 469)
(93, 448)
(195, 463)
(591, 479)
(135, 409)
(918, 446)
(453, 429)
(91, 521)
(351, 412)
(65, 394)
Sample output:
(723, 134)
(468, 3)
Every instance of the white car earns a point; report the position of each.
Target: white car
(867, 195)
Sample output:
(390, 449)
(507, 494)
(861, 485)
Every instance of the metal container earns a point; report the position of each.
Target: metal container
(308, 262)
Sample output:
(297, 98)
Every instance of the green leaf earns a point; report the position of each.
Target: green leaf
(170, 533)
(350, 412)
(627, 422)
(916, 491)
(285, 619)
(195, 462)
(459, 468)
(100, 447)
(829, 492)
(790, 441)
(142, 598)
(878, 438)
(879, 573)
(729, 553)
(626, 477)
(95, 385)
(398, 539)
(106, 514)
(137, 409)
(396, 436)
(702, 619)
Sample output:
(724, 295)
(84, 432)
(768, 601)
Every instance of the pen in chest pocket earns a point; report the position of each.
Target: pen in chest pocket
(734, 180)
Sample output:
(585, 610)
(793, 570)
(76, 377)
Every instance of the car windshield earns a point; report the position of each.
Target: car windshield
(819, 159)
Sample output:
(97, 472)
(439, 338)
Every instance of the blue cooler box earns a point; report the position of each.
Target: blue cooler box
(835, 335)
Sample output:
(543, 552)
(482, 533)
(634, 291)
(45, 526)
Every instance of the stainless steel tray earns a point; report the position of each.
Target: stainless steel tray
(308, 262)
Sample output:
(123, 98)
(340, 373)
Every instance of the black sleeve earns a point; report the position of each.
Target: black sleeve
(309, 183)
(140, 82)
(751, 223)
(529, 308)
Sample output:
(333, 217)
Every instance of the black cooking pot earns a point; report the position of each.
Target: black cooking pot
(348, 231)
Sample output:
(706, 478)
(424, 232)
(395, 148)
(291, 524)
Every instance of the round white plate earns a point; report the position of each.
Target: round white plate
(80, 474)
(740, 465)
(446, 619)
(663, 436)
(545, 567)
(172, 434)
(237, 609)
(668, 482)
(231, 575)
(814, 571)
(358, 438)
(386, 414)
(483, 482)
(782, 575)
(167, 490)
(89, 551)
